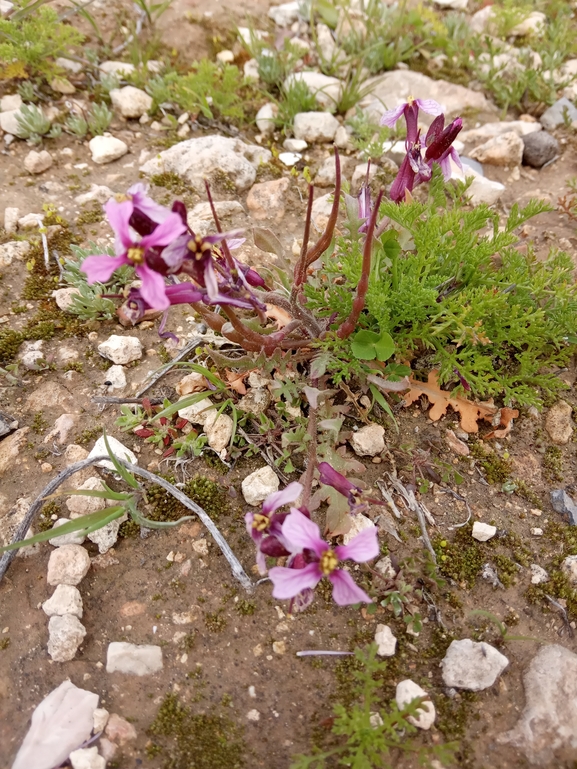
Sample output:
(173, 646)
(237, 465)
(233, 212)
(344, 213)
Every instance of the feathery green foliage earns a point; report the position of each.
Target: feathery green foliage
(449, 281)
(365, 740)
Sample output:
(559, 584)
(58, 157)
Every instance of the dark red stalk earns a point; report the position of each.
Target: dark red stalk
(325, 239)
(300, 268)
(223, 244)
(349, 325)
(312, 452)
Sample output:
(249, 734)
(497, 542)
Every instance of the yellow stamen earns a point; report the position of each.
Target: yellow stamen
(328, 562)
(260, 522)
(198, 246)
(120, 197)
(135, 255)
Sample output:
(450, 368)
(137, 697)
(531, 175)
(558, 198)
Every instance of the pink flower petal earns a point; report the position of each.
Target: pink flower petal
(211, 282)
(165, 233)
(153, 289)
(391, 116)
(290, 582)
(430, 106)
(345, 589)
(361, 548)
(119, 215)
(99, 268)
(302, 533)
(280, 498)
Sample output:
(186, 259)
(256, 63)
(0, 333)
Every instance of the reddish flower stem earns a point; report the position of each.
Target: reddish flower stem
(325, 239)
(223, 243)
(348, 326)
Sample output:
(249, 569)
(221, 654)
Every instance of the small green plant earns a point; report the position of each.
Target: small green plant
(296, 98)
(89, 304)
(31, 123)
(31, 39)
(438, 286)
(27, 92)
(209, 89)
(95, 121)
(365, 740)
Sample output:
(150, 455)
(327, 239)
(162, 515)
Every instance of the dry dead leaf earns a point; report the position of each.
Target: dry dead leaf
(503, 418)
(280, 316)
(470, 411)
(456, 445)
(235, 380)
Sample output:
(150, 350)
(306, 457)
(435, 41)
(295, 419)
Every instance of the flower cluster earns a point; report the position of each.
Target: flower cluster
(416, 167)
(309, 558)
(159, 244)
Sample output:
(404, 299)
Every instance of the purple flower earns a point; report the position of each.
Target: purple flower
(303, 535)
(135, 306)
(136, 252)
(438, 142)
(415, 168)
(410, 109)
(330, 477)
(265, 527)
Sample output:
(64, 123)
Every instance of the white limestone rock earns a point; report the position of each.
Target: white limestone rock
(38, 162)
(130, 102)
(483, 531)
(491, 130)
(121, 349)
(265, 118)
(14, 249)
(106, 149)
(198, 412)
(546, 732)
(285, 14)
(534, 24)
(105, 537)
(118, 449)
(473, 666)
(315, 127)
(116, 375)
(210, 157)
(218, 431)
(64, 297)
(407, 691)
(369, 440)
(538, 574)
(61, 722)
(79, 505)
(503, 150)
(385, 640)
(74, 538)
(68, 565)
(87, 758)
(66, 634)
(258, 485)
(11, 216)
(98, 193)
(359, 522)
(292, 145)
(395, 87)
(116, 68)
(66, 599)
(133, 659)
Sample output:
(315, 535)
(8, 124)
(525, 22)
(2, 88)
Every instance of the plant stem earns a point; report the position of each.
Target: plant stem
(349, 325)
(312, 454)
